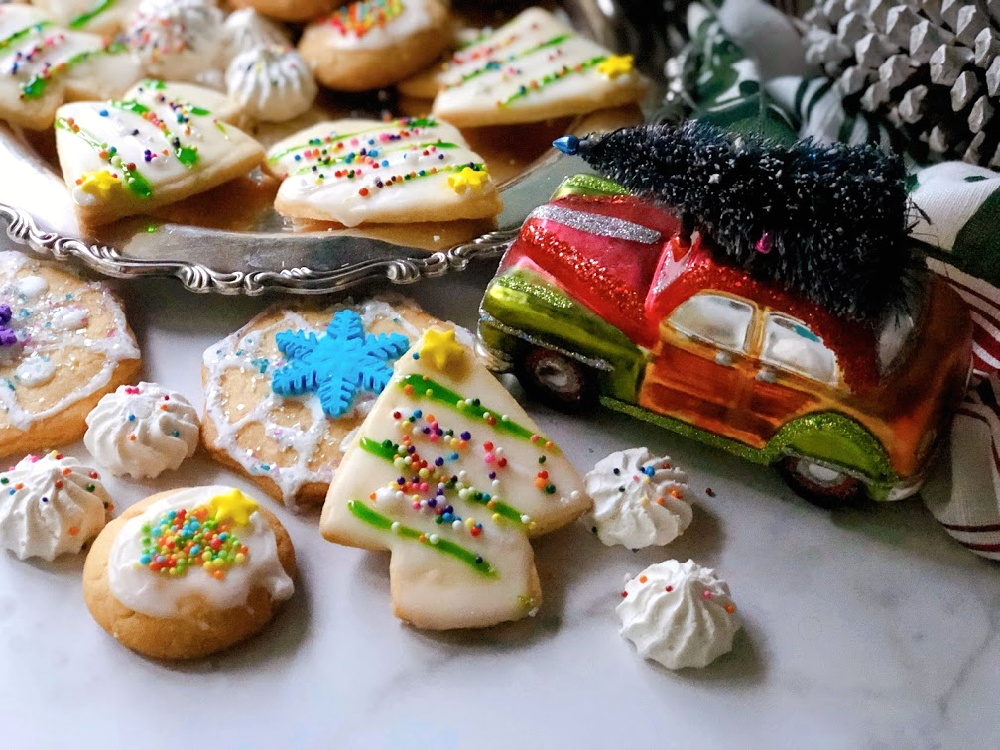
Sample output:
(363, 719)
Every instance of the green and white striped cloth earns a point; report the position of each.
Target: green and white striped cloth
(745, 69)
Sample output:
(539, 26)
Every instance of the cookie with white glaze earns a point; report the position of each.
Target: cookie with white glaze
(189, 572)
(451, 475)
(131, 156)
(105, 17)
(288, 10)
(533, 68)
(142, 430)
(375, 43)
(353, 172)
(64, 343)
(288, 442)
(51, 505)
(42, 65)
(180, 40)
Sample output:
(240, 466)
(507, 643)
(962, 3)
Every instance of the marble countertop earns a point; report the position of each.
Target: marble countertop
(862, 628)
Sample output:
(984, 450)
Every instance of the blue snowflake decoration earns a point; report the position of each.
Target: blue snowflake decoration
(337, 366)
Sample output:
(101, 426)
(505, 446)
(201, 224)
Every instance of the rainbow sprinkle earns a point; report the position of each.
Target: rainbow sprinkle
(358, 19)
(180, 539)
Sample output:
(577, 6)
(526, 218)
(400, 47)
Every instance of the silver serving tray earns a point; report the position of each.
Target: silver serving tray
(37, 210)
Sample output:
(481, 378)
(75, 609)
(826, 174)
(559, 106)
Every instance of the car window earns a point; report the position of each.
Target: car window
(790, 345)
(723, 321)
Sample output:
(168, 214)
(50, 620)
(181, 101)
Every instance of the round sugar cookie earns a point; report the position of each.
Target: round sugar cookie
(368, 45)
(289, 444)
(148, 583)
(288, 10)
(64, 343)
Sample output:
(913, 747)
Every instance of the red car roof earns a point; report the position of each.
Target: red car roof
(603, 250)
(606, 252)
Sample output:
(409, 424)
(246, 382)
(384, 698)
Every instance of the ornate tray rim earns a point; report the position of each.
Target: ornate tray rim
(22, 229)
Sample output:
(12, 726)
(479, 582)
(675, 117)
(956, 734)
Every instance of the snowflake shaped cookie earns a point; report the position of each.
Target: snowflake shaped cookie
(338, 365)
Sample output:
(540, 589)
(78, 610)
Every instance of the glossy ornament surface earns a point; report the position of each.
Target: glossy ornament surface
(671, 334)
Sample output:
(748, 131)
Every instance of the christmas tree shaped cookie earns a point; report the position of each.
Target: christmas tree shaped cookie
(451, 475)
(534, 68)
(42, 65)
(126, 157)
(96, 16)
(357, 171)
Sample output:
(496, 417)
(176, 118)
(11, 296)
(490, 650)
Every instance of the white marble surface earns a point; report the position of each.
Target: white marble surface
(862, 628)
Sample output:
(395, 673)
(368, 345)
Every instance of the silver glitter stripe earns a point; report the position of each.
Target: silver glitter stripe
(604, 226)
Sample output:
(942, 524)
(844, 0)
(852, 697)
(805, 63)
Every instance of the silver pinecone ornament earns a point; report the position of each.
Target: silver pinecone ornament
(929, 67)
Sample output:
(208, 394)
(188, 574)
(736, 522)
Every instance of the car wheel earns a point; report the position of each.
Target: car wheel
(558, 380)
(822, 486)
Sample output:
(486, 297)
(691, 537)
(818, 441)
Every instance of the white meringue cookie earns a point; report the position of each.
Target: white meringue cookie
(142, 430)
(246, 29)
(271, 83)
(679, 614)
(50, 506)
(177, 40)
(638, 499)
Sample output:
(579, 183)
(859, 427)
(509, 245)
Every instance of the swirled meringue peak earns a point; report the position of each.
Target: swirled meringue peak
(246, 29)
(142, 430)
(271, 83)
(50, 506)
(679, 614)
(639, 499)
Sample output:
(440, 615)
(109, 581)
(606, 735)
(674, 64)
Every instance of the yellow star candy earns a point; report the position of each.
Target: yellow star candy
(232, 505)
(98, 183)
(616, 65)
(443, 352)
(468, 178)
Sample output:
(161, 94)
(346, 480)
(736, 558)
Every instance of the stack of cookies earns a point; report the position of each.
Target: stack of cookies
(154, 101)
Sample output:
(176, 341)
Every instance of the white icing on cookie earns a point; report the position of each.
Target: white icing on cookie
(177, 39)
(127, 152)
(32, 287)
(376, 24)
(187, 95)
(453, 487)
(246, 29)
(638, 499)
(142, 430)
(532, 68)
(271, 83)
(39, 61)
(97, 16)
(679, 614)
(353, 171)
(245, 350)
(35, 370)
(162, 595)
(50, 506)
(69, 319)
(39, 323)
